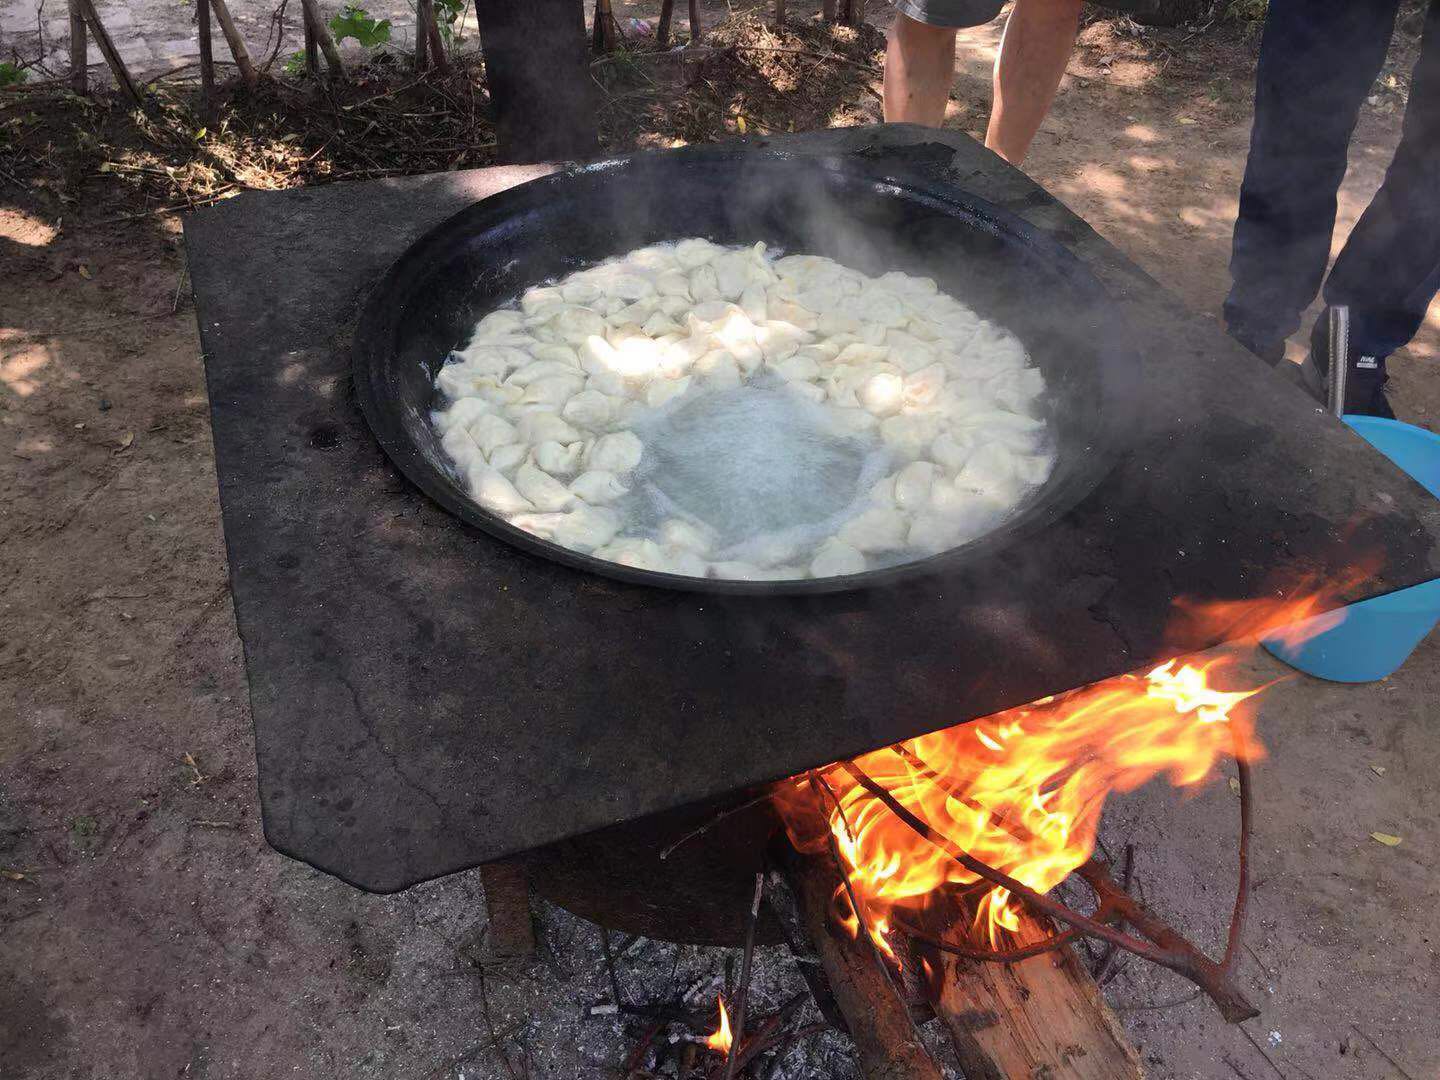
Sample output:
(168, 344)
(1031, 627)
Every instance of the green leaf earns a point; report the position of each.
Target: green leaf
(295, 65)
(11, 74)
(355, 22)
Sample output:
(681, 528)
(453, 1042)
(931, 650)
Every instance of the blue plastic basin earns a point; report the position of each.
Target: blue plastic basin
(1373, 638)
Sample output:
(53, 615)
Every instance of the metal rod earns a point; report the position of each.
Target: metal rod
(1339, 357)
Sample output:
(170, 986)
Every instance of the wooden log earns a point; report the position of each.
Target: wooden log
(79, 50)
(207, 59)
(424, 14)
(662, 27)
(537, 66)
(236, 43)
(111, 54)
(438, 56)
(697, 30)
(317, 26)
(1042, 1016)
(507, 901)
(887, 1045)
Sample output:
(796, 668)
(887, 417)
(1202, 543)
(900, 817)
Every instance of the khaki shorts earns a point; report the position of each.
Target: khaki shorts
(950, 14)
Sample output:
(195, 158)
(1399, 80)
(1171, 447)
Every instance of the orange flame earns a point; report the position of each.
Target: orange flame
(1022, 790)
(721, 1039)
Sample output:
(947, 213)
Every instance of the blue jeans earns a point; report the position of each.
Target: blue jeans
(1318, 60)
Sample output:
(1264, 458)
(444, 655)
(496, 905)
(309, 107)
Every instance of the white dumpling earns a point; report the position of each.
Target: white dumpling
(598, 486)
(677, 533)
(539, 297)
(685, 562)
(619, 452)
(912, 485)
(542, 489)
(990, 471)
(909, 434)
(877, 528)
(538, 427)
(542, 369)
(923, 387)
(851, 421)
(933, 533)
(882, 394)
(498, 324)
(558, 459)
(659, 391)
(588, 409)
(506, 458)
(1034, 469)
(553, 390)
(703, 285)
(949, 452)
(673, 283)
(635, 552)
(580, 292)
(461, 414)
(754, 303)
(835, 558)
(491, 430)
(810, 392)
(583, 528)
(576, 324)
(719, 369)
(693, 253)
(492, 490)
(460, 445)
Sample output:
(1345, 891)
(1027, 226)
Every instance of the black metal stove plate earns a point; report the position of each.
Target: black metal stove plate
(427, 697)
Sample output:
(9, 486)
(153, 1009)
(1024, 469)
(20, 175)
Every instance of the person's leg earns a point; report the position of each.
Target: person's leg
(1318, 59)
(1389, 270)
(1038, 40)
(919, 69)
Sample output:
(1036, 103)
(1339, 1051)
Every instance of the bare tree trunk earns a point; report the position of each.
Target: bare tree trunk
(696, 29)
(438, 56)
(312, 49)
(827, 10)
(602, 37)
(79, 51)
(538, 69)
(662, 28)
(108, 50)
(322, 36)
(780, 14)
(236, 43)
(424, 13)
(207, 59)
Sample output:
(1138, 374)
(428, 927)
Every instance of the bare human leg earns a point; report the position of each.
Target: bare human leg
(1039, 37)
(919, 69)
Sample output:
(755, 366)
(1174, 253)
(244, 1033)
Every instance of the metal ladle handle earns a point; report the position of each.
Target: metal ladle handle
(1339, 357)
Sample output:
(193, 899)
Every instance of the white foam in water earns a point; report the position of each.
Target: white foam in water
(713, 411)
(759, 467)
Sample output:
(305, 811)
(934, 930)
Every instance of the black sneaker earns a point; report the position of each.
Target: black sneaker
(1365, 383)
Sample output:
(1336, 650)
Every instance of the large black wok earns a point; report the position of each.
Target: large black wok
(487, 255)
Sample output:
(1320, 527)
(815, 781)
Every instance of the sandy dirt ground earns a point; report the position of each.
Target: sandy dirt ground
(147, 931)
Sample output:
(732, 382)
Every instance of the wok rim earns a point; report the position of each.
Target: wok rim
(384, 304)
